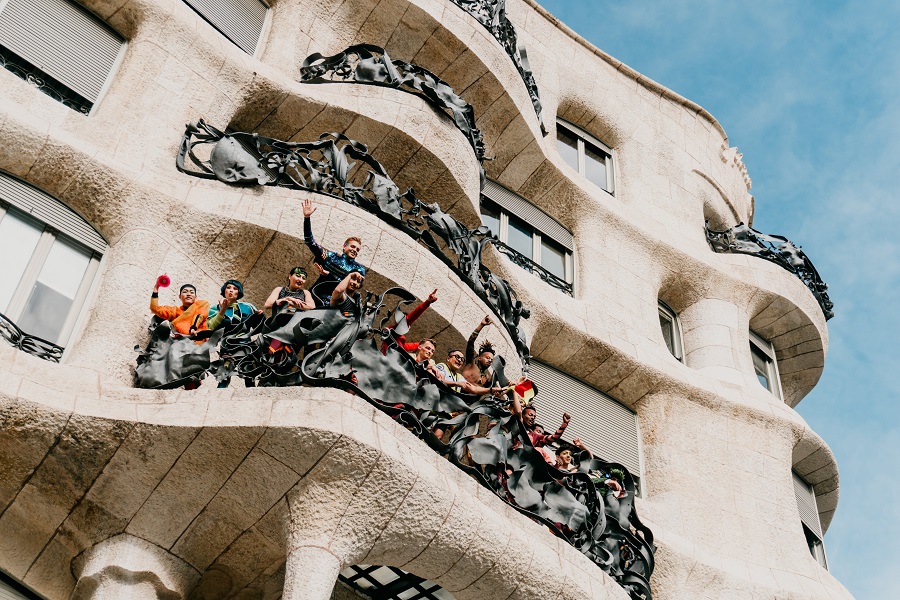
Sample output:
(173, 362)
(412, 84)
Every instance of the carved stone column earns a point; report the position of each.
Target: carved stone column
(125, 567)
(716, 339)
(311, 573)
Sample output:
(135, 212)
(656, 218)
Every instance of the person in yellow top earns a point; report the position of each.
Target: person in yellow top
(187, 319)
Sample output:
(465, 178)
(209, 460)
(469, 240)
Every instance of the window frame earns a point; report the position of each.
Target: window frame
(584, 138)
(49, 235)
(665, 312)
(537, 238)
(814, 540)
(767, 350)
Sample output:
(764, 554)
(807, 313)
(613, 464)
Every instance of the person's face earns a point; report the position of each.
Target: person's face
(485, 360)
(528, 416)
(455, 360)
(231, 292)
(187, 296)
(538, 429)
(352, 248)
(426, 351)
(564, 457)
(296, 281)
(355, 283)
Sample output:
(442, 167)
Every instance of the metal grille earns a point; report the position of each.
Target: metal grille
(531, 214)
(241, 21)
(51, 211)
(608, 428)
(63, 40)
(806, 504)
(391, 583)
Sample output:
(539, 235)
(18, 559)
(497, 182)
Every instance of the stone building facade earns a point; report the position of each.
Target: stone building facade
(597, 180)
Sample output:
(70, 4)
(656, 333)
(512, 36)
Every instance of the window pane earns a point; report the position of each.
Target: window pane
(595, 166)
(519, 237)
(53, 293)
(567, 146)
(18, 239)
(553, 258)
(668, 331)
(490, 216)
(761, 365)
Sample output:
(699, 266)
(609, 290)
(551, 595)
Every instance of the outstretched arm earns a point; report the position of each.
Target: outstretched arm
(470, 345)
(553, 438)
(317, 250)
(340, 292)
(421, 308)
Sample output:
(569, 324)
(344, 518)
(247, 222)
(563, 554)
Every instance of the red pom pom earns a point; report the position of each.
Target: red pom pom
(163, 281)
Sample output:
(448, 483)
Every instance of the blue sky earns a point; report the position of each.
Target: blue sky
(808, 91)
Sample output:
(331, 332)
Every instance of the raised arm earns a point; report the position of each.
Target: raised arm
(554, 437)
(166, 313)
(470, 345)
(421, 308)
(340, 292)
(317, 250)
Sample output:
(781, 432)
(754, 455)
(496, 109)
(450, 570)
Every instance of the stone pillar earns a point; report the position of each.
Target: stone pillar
(716, 338)
(310, 573)
(125, 567)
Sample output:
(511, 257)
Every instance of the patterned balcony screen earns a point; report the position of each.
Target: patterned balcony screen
(806, 504)
(241, 21)
(63, 40)
(608, 428)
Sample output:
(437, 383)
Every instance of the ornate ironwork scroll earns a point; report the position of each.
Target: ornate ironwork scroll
(365, 63)
(324, 166)
(39, 347)
(492, 15)
(532, 267)
(359, 351)
(45, 83)
(743, 239)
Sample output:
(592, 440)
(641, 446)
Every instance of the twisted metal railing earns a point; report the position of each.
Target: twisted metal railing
(36, 346)
(325, 166)
(743, 239)
(44, 82)
(359, 351)
(492, 15)
(529, 265)
(369, 64)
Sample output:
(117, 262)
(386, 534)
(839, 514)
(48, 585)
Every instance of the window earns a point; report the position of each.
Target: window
(530, 232)
(51, 257)
(809, 518)
(765, 364)
(59, 47)
(586, 154)
(241, 21)
(608, 428)
(671, 330)
(11, 589)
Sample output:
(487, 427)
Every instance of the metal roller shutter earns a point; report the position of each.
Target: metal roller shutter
(51, 211)
(241, 21)
(608, 428)
(806, 504)
(63, 40)
(534, 216)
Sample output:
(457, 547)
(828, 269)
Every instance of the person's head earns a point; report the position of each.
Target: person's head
(455, 360)
(187, 294)
(296, 278)
(232, 290)
(426, 349)
(356, 282)
(485, 356)
(352, 247)
(529, 414)
(538, 428)
(564, 456)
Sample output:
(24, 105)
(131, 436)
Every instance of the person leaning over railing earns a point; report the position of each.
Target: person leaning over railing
(565, 456)
(292, 297)
(187, 319)
(231, 311)
(333, 267)
(345, 296)
(477, 369)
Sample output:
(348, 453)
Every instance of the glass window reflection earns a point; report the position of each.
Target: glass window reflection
(519, 237)
(18, 239)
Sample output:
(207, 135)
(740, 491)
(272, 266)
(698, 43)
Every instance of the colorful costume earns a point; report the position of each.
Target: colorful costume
(337, 265)
(234, 314)
(183, 320)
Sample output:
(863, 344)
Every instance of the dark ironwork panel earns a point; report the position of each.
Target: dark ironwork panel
(44, 82)
(532, 267)
(359, 351)
(492, 15)
(39, 347)
(743, 239)
(325, 166)
(369, 64)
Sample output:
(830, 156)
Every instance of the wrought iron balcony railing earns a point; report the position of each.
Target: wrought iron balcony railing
(743, 239)
(532, 267)
(39, 347)
(44, 82)
(359, 351)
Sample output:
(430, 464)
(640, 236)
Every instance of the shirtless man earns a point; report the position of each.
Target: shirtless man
(477, 369)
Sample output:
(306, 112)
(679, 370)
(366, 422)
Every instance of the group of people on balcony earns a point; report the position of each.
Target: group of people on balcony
(341, 277)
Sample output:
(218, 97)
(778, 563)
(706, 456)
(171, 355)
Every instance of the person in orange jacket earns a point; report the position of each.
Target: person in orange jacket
(187, 319)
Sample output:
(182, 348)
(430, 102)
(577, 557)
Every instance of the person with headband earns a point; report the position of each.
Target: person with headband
(293, 297)
(187, 319)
